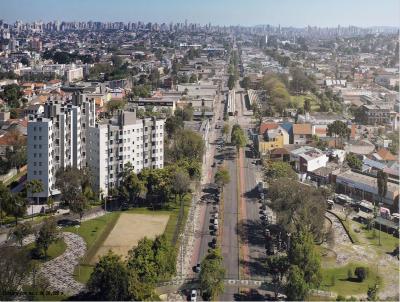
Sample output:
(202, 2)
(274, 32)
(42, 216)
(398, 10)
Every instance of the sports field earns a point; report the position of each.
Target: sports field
(128, 230)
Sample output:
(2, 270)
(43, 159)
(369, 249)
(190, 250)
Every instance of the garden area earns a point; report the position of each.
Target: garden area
(342, 280)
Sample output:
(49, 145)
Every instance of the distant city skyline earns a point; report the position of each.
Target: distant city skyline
(362, 13)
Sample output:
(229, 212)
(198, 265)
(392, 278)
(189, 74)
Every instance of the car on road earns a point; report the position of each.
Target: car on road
(216, 215)
(213, 243)
(193, 295)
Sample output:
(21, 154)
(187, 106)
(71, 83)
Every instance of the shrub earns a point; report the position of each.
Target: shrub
(361, 273)
(349, 274)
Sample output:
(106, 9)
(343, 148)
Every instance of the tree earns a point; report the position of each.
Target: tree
(298, 206)
(300, 81)
(48, 234)
(5, 202)
(72, 183)
(131, 185)
(14, 267)
(212, 275)
(338, 129)
(238, 138)
(225, 130)
(16, 206)
(34, 186)
(148, 263)
(231, 82)
(382, 179)
(141, 261)
(361, 273)
(245, 83)
(302, 253)
(307, 105)
(277, 266)
(21, 231)
(353, 161)
(222, 177)
(180, 184)
(114, 105)
(296, 287)
(279, 169)
(109, 280)
(193, 78)
(187, 144)
(117, 61)
(78, 205)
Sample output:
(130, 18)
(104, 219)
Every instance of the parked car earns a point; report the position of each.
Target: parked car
(193, 295)
(197, 268)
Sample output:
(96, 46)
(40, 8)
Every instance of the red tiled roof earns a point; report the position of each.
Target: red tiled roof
(302, 129)
(386, 154)
(267, 126)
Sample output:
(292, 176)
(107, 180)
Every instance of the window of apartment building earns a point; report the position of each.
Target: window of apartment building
(40, 172)
(34, 173)
(40, 137)
(40, 128)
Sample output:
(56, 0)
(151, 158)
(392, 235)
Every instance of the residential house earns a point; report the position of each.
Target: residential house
(302, 134)
(307, 159)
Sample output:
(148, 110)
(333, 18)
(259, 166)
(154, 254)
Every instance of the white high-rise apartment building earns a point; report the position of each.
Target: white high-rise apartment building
(57, 139)
(67, 134)
(123, 139)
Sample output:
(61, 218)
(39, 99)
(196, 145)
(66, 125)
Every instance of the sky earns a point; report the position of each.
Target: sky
(298, 13)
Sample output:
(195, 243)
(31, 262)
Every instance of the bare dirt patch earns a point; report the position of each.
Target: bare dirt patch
(128, 230)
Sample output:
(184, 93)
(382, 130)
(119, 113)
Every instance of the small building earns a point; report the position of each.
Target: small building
(302, 134)
(307, 159)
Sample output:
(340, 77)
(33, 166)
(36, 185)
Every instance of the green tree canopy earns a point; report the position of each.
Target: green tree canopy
(109, 280)
(297, 205)
(238, 137)
(48, 234)
(296, 287)
(353, 161)
(222, 177)
(212, 275)
(303, 254)
(279, 169)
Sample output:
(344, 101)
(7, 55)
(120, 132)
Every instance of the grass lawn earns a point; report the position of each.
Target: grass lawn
(371, 237)
(95, 231)
(55, 249)
(336, 280)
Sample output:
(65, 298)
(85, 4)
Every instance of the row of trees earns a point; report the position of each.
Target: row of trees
(300, 213)
(150, 262)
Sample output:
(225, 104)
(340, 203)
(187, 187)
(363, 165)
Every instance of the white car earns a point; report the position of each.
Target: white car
(193, 295)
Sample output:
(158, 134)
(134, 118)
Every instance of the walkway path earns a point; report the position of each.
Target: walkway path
(60, 271)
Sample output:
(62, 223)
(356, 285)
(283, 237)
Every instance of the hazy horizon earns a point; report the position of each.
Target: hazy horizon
(287, 13)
